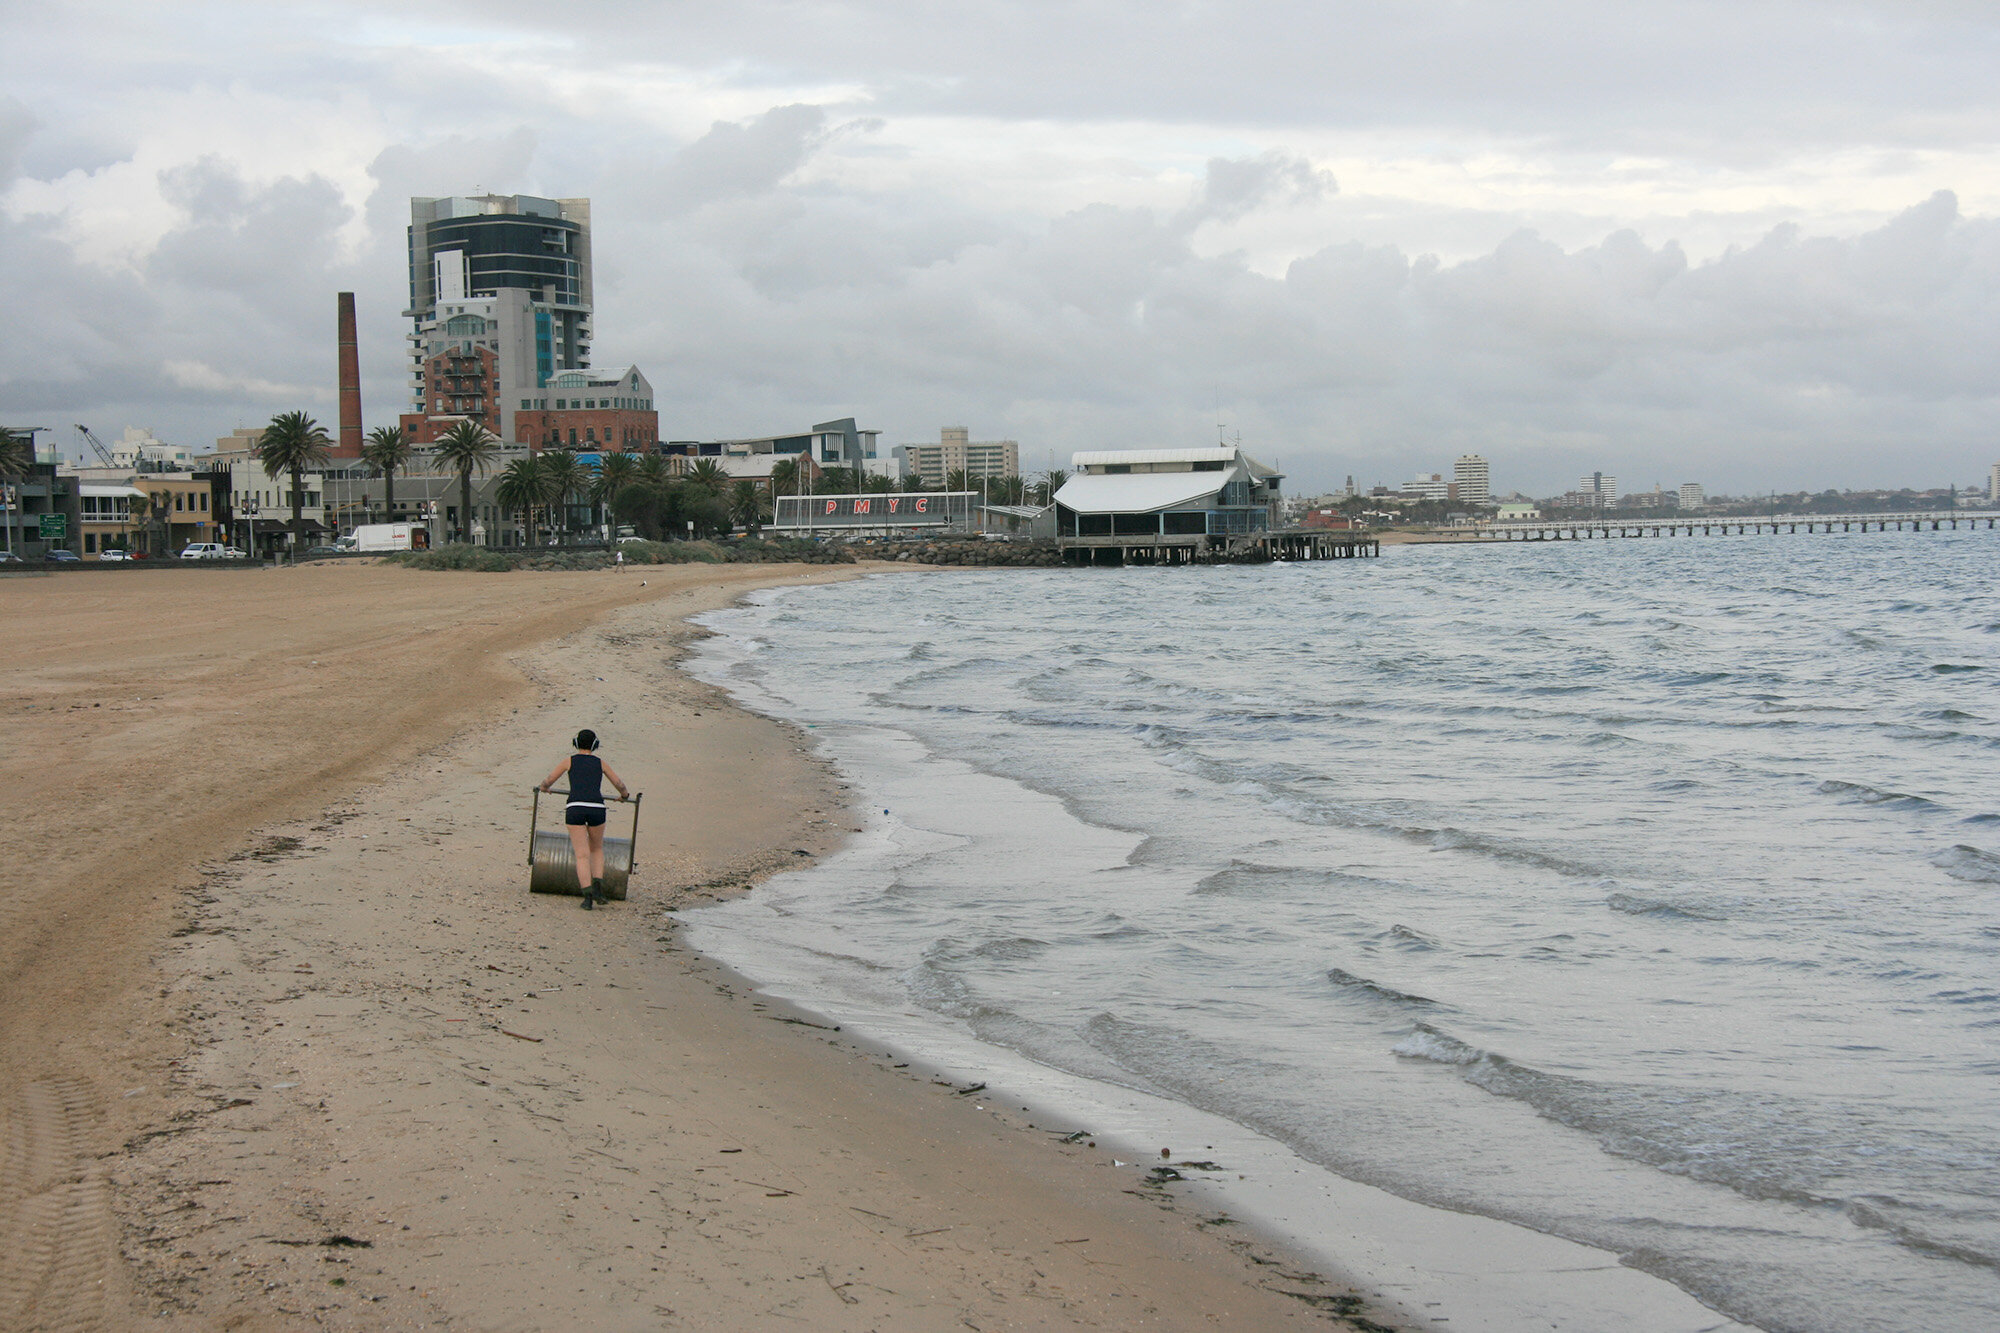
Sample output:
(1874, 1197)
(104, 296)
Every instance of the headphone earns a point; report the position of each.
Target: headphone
(585, 739)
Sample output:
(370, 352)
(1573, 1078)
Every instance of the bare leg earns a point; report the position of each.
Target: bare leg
(579, 841)
(597, 852)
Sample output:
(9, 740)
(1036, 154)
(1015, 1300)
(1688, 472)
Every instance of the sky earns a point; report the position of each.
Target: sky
(1753, 244)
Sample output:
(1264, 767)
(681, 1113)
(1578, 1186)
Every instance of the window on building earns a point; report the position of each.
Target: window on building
(90, 543)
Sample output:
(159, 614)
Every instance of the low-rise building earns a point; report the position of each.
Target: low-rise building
(42, 511)
(1215, 491)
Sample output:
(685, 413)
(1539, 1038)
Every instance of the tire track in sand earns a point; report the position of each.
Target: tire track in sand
(58, 1239)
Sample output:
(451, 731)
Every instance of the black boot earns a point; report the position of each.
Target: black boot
(597, 887)
(590, 895)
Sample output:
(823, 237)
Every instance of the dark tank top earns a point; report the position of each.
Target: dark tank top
(586, 780)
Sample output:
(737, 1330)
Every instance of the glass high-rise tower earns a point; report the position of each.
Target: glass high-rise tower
(514, 257)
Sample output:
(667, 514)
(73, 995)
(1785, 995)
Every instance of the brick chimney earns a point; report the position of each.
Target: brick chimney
(348, 445)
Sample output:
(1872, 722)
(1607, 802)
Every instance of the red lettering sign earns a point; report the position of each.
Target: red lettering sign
(893, 502)
(922, 505)
(861, 506)
(831, 505)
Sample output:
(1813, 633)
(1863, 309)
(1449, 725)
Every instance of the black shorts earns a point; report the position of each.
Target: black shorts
(590, 816)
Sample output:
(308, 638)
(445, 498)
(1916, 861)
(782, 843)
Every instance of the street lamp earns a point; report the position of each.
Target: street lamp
(250, 517)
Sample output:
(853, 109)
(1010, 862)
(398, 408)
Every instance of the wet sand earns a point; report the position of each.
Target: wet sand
(284, 1039)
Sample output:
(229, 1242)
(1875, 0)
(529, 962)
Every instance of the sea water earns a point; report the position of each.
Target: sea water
(1644, 892)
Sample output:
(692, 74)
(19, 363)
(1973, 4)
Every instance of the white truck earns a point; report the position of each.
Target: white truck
(388, 537)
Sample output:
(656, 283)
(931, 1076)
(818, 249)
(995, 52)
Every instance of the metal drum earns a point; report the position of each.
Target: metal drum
(552, 856)
(554, 865)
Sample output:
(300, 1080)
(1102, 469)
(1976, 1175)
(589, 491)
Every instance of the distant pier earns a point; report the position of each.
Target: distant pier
(1258, 548)
(1584, 529)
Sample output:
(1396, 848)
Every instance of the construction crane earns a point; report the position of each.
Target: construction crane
(97, 445)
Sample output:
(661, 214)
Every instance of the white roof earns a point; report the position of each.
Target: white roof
(100, 492)
(752, 465)
(1138, 492)
(1100, 457)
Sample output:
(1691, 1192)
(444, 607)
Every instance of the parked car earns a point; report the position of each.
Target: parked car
(9, 558)
(204, 551)
(315, 552)
(231, 553)
(112, 555)
(62, 557)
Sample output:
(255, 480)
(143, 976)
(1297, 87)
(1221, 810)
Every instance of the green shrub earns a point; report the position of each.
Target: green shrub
(458, 555)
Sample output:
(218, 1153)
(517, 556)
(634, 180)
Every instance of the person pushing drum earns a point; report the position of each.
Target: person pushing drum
(584, 814)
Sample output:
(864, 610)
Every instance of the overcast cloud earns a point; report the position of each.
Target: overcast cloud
(1753, 244)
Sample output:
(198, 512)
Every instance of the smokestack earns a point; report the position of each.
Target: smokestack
(349, 443)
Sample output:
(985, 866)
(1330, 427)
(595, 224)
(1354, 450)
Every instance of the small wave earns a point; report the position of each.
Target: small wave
(1951, 668)
(1254, 877)
(1969, 863)
(1867, 795)
(1019, 947)
(920, 652)
(1633, 905)
(1427, 1043)
(1873, 1219)
(1405, 937)
(1340, 976)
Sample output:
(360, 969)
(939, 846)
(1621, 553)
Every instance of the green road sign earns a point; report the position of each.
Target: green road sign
(55, 527)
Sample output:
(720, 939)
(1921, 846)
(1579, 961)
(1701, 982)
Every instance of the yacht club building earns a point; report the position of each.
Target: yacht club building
(1216, 491)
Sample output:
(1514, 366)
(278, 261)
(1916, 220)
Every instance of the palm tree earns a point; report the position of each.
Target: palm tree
(746, 506)
(708, 475)
(292, 443)
(1010, 490)
(785, 477)
(1052, 481)
(958, 479)
(614, 472)
(467, 445)
(523, 485)
(653, 471)
(17, 455)
(388, 448)
(877, 483)
(567, 476)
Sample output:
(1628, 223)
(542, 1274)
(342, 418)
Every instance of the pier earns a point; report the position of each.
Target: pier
(1257, 548)
(1584, 529)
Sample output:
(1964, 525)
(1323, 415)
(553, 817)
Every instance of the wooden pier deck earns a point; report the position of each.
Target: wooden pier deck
(1584, 529)
(1248, 549)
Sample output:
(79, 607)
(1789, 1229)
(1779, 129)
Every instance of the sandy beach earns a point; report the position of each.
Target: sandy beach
(286, 1041)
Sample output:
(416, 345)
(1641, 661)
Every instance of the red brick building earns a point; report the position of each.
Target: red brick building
(578, 410)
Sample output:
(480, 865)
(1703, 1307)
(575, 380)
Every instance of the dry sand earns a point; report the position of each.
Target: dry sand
(284, 1039)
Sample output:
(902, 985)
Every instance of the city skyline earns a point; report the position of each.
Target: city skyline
(1734, 249)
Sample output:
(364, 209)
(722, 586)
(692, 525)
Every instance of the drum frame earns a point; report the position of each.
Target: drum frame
(614, 885)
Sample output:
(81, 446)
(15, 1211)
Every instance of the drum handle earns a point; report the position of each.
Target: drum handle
(637, 796)
(534, 822)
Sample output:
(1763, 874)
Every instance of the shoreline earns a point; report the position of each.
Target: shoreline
(1473, 1270)
(398, 1082)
